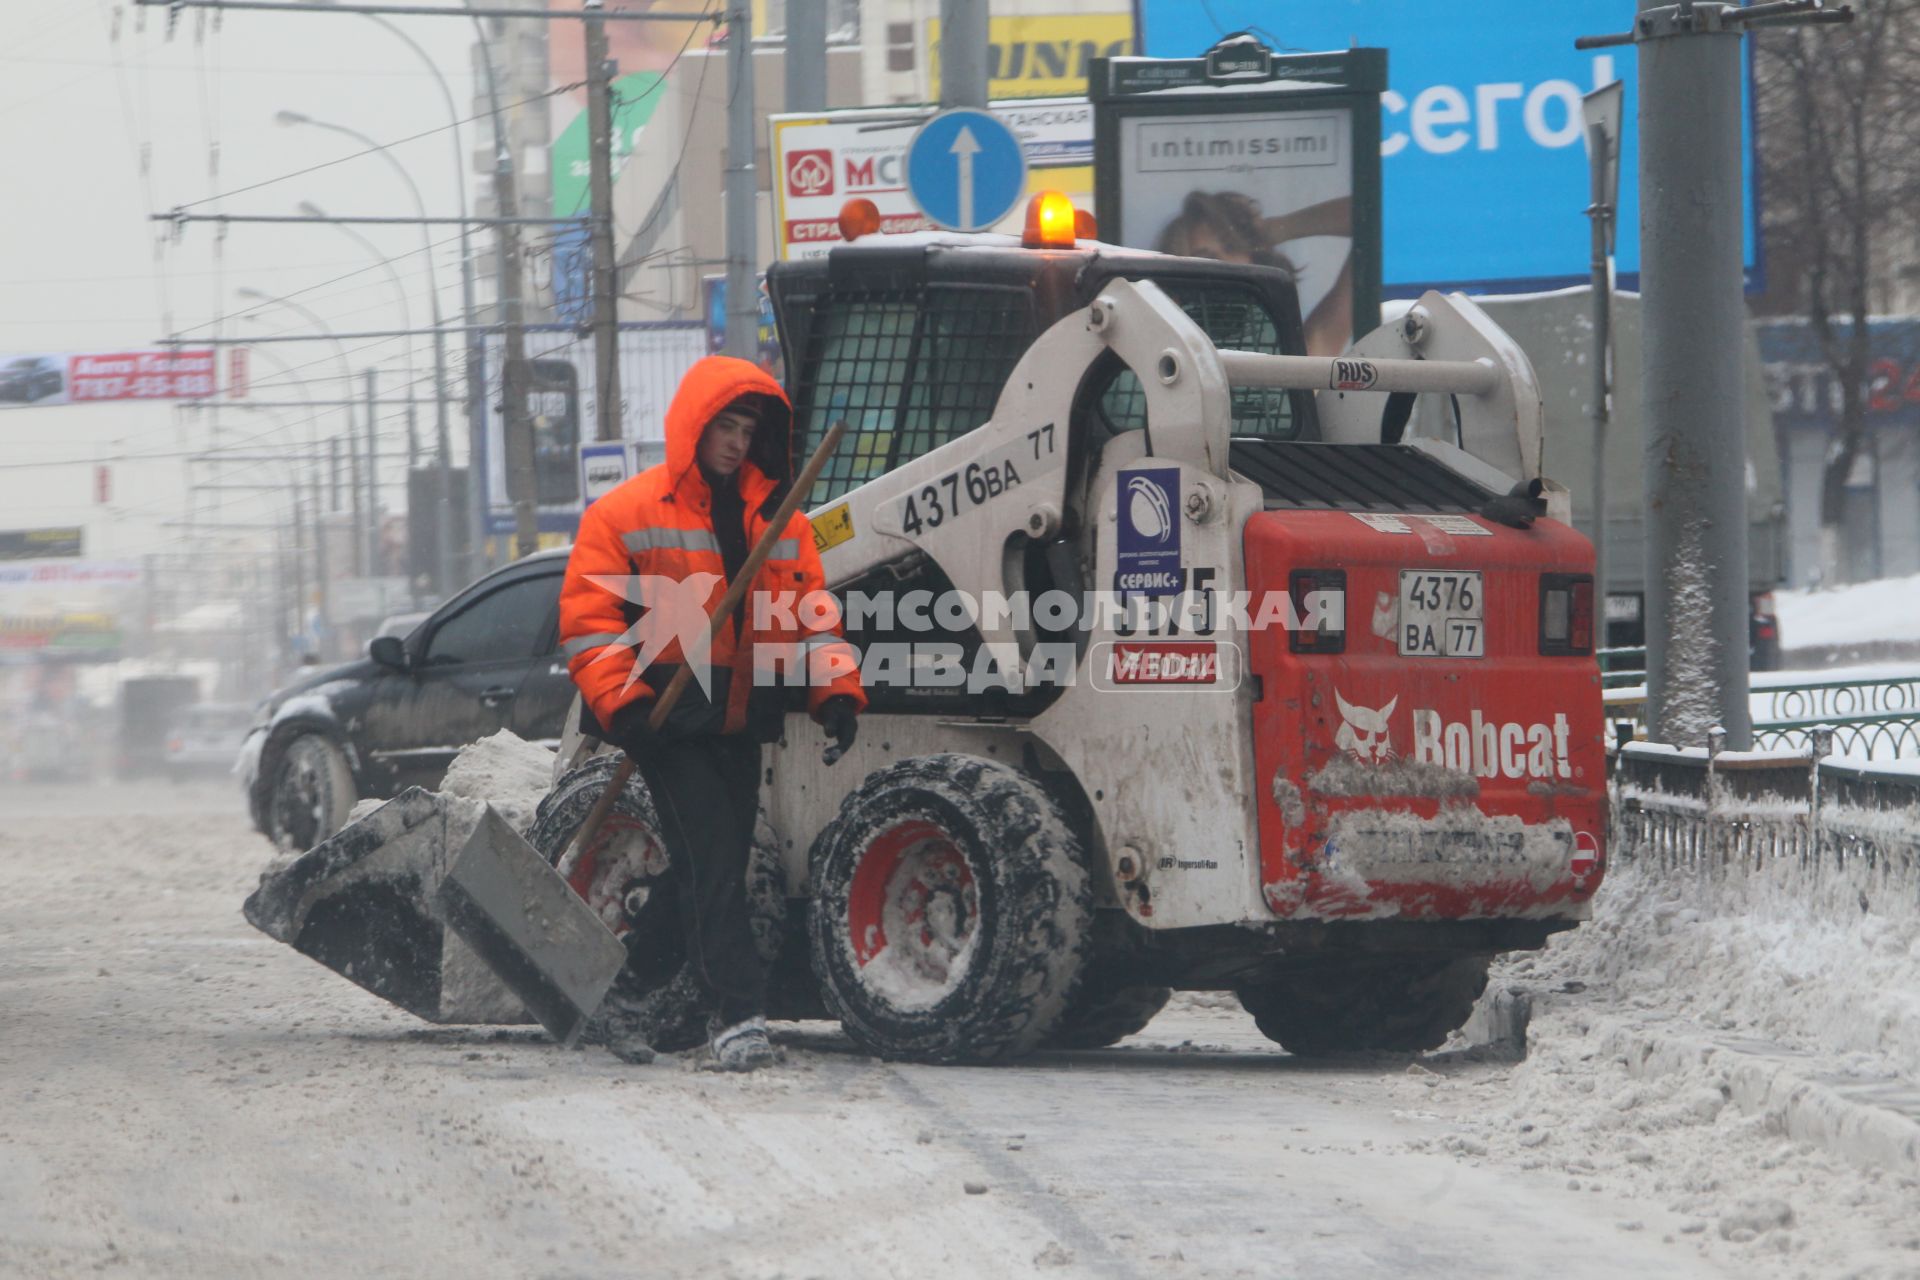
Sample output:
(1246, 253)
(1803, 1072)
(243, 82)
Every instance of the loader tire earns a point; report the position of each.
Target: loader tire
(1406, 1006)
(626, 877)
(313, 792)
(1101, 1014)
(952, 911)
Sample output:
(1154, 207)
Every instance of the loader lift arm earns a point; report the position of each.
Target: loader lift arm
(973, 504)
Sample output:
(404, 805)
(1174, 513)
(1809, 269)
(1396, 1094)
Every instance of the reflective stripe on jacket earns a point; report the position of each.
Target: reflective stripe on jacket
(651, 546)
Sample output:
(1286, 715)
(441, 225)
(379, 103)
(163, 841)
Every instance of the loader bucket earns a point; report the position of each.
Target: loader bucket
(362, 904)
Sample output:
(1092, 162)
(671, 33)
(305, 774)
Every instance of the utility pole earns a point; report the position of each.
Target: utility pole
(1694, 329)
(963, 54)
(373, 480)
(1601, 214)
(1694, 316)
(743, 288)
(1601, 110)
(356, 494)
(513, 372)
(806, 57)
(606, 306)
(320, 570)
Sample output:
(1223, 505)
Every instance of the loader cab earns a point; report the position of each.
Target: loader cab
(909, 340)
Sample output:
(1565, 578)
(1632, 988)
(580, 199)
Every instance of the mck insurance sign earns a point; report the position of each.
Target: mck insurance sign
(1483, 167)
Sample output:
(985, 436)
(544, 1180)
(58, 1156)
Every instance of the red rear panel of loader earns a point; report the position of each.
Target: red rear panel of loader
(1441, 758)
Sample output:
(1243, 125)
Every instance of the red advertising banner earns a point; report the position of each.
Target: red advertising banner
(32, 381)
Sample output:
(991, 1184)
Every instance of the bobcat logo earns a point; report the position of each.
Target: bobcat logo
(1363, 730)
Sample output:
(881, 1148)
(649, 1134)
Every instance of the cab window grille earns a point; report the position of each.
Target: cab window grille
(1236, 320)
(907, 371)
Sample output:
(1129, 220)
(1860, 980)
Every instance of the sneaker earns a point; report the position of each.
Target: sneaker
(741, 1047)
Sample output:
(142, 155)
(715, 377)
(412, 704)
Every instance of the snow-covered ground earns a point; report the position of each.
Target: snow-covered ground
(181, 1096)
(1880, 612)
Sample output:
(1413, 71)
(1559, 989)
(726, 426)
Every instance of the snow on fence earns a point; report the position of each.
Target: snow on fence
(1873, 714)
(1846, 833)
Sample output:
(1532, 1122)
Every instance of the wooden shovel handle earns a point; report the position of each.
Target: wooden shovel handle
(735, 593)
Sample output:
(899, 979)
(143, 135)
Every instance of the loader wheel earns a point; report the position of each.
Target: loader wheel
(625, 876)
(952, 911)
(1405, 1006)
(312, 794)
(1101, 1014)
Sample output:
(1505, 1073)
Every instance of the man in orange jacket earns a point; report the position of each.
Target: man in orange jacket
(650, 564)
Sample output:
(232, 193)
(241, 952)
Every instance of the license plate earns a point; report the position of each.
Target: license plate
(1442, 615)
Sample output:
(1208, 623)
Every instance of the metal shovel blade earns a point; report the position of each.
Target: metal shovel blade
(522, 918)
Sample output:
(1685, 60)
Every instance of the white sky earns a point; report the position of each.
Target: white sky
(77, 264)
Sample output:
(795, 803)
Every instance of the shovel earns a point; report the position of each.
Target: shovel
(517, 913)
(442, 908)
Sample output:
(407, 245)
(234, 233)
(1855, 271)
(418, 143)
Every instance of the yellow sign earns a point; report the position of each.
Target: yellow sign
(1041, 57)
(832, 527)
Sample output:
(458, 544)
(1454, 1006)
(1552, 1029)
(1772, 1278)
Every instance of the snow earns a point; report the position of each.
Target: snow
(507, 772)
(1824, 960)
(1883, 611)
(1690, 710)
(180, 1096)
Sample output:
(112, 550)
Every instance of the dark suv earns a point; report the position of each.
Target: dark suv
(486, 660)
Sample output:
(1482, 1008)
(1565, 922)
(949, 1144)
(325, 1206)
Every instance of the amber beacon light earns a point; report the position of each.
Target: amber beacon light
(1051, 222)
(859, 217)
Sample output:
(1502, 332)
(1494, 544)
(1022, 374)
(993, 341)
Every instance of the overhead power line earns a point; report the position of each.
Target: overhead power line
(430, 11)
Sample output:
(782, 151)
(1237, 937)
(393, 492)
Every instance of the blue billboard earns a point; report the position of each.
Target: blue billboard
(1483, 163)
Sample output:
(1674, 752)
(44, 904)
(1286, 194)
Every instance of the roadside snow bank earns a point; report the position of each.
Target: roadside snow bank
(1865, 613)
(1828, 961)
(1727, 975)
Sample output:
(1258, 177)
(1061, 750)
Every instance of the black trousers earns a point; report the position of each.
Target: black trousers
(706, 789)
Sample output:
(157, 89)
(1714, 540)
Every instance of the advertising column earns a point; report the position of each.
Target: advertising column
(1245, 156)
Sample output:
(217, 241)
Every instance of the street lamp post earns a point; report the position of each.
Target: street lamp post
(450, 572)
(318, 522)
(313, 210)
(363, 547)
(441, 432)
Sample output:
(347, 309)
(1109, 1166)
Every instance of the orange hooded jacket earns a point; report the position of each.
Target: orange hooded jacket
(659, 525)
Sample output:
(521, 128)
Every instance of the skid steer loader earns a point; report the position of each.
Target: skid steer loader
(1329, 736)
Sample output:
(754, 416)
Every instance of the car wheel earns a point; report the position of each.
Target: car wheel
(312, 793)
(952, 911)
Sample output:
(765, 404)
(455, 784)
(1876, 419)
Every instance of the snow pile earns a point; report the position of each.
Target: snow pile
(507, 772)
(1826, 961)
(1705, 1173)
(1886, 610)
(1819, 969)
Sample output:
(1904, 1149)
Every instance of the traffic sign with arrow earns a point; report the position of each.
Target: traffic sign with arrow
(965, 170)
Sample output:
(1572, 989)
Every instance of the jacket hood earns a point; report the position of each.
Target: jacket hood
(713, 383)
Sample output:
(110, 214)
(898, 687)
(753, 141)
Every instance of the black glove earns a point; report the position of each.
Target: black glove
(629, 730)
(842, 723)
